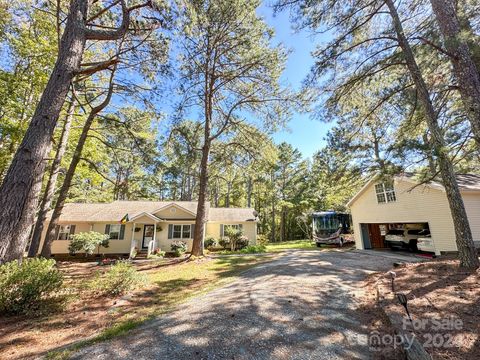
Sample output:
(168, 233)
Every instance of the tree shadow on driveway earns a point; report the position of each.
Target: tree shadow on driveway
(300, 306)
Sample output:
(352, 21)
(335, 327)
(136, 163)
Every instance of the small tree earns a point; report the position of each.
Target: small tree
(230, 76)
(236, 237)
(88, 242)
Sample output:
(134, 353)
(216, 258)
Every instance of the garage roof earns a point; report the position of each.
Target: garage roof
(469, 182)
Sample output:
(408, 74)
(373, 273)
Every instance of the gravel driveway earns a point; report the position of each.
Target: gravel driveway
(300, 306)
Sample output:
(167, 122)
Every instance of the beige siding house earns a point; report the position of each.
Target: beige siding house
(379, 205)
(150, 223)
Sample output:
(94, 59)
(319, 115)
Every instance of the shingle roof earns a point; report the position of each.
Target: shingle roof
(232, 214)
(465, 181)
(116, 210)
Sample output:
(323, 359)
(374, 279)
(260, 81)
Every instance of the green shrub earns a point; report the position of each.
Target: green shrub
(224, 242)
(157, 254)
(236, 239)
(262, 240)
(87, 242)
(209, 242)
(178, 246)
(24, 287)
(241, 242)
(121, 278)
(254, 249)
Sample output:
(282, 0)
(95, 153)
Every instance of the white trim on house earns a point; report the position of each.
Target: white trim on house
(151, 216)
(362, 190)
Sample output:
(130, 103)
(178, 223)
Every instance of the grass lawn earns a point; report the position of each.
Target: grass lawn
(100, 318)
(294, 244)
(305, 244)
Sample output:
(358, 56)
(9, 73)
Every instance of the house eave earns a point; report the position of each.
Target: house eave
(362, 190)
(153, 217)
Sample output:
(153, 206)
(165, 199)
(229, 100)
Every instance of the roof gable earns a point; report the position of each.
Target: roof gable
(144, 215)
(175, 211)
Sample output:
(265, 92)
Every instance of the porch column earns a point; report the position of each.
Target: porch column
(132, 243)
(155, 246)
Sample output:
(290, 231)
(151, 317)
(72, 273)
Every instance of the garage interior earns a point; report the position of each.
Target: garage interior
(374, 235)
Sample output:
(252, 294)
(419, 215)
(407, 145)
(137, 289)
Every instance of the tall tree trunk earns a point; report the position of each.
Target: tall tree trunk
(431, 161)
(249, 191)
(464, 68)
(23, 181)
(183, 184)
(52, 181)
(283, 226)
(227, 196)
(273, 199)
(378, 157)
(273, 222)
(77, 154)
(463, 235)
(216, 194)
(189, 186)
(201, 218)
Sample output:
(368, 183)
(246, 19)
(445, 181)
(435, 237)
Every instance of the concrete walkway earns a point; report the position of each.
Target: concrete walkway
(300, 306)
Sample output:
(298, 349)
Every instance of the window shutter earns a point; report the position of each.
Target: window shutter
(192, 231)
(122, 232)
(57, 230)
(221, 230)
(170, 231)
(72, 231)
(107, 229)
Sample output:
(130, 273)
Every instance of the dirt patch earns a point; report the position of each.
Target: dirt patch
(377, 322)
(444, 303)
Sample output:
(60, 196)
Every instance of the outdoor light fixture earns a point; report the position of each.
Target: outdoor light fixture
(393, 275)
(402, 299)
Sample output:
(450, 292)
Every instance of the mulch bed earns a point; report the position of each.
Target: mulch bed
(444, 302)
(23, 337)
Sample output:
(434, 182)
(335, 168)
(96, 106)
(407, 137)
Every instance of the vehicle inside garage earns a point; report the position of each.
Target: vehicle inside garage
(398, 236)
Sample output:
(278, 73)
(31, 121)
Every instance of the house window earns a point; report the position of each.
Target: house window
(116, 231)
(224, 228)
(177, 231)
(65, 232)
(186, 232)
(385, 193)
(230, 226)
(181, 231)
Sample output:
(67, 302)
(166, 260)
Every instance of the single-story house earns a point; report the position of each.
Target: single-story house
(381, 205)
(147, 221)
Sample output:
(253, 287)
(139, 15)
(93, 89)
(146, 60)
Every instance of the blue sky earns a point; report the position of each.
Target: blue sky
(303, 133)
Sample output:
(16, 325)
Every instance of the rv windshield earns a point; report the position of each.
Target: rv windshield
(327, 222)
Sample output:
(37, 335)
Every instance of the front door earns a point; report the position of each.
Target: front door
(148, 231)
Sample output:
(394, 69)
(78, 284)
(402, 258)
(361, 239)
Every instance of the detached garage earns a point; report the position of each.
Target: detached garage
(386, 211)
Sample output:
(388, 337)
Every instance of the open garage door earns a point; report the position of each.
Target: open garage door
(372, 236)
(394, 235)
